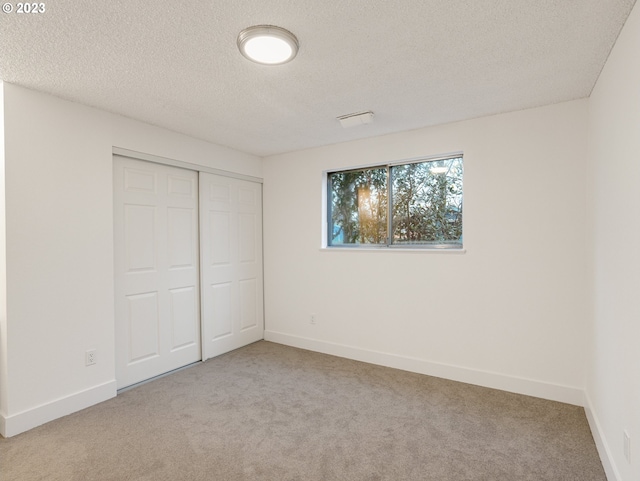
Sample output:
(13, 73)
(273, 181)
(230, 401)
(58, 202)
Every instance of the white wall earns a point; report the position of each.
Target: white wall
(3, 276)
(509, 313)
(59, 242)
(613, 381)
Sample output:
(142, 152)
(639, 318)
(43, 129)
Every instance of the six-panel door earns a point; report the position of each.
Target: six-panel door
(231, 260)
(157, 291)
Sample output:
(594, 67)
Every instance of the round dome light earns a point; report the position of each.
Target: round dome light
(267, 44)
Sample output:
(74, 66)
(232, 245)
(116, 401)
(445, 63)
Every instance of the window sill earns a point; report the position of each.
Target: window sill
(415, 250)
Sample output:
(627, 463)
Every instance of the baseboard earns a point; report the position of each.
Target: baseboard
(529, 387)
(604, 451)
(31, 418)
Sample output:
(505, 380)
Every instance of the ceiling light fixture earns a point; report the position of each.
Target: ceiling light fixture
(268, 44)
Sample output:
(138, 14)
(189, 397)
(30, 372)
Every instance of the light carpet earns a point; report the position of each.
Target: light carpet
(271, 412)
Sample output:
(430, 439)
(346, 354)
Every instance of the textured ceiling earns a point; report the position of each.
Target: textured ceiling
(414, 63)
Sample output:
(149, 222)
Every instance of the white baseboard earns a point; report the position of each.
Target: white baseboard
(604, 451)
(529, 387)
(31, 418)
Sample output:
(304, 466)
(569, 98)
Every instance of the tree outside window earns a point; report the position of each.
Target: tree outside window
(412, 204)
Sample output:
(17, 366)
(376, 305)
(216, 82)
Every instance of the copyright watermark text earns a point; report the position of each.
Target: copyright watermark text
(24, 7)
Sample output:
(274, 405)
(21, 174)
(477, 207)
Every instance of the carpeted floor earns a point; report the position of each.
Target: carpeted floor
(271, 412)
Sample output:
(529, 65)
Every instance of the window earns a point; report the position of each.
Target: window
(410, 204)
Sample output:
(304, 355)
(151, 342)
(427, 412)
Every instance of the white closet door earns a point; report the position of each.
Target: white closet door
(231, 253)
(156, 269)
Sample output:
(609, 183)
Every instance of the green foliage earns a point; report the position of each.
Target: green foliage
(426, 204)
(359, 206)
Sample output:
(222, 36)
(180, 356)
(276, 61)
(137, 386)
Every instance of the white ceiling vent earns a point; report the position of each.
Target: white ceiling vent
(351, 120)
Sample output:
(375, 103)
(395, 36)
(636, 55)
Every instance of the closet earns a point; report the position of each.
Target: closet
(188, 266)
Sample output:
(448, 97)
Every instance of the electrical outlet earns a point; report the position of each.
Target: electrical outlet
(627, 446)
(90, 357)
(312, 319)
